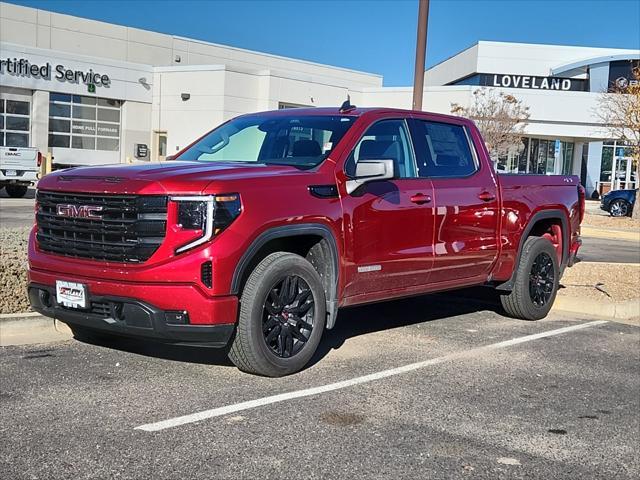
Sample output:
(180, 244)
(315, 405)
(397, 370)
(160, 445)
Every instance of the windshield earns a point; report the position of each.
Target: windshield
(302, 141)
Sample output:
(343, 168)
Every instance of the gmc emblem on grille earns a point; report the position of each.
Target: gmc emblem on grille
(91, 212)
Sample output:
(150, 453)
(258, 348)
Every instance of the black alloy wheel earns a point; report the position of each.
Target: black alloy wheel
(541, 280)
(287, 320)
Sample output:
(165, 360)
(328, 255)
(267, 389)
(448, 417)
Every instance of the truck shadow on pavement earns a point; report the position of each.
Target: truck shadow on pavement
(351, 322)
(362, 320)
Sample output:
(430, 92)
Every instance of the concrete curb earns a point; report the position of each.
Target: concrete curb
(618, 311)
(18, 315)
(610, 234)
(27, 329)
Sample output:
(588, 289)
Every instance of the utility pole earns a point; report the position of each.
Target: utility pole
(421, 51)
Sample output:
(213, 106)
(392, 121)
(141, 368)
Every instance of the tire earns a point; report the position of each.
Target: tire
(619, 208)
(16, 191)
(266, 309)
(534, 292)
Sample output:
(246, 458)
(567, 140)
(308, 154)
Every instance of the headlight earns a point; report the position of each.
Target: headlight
(205, 216)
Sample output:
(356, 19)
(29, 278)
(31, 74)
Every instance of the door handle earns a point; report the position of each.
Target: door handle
(487, 196)
(420, 198)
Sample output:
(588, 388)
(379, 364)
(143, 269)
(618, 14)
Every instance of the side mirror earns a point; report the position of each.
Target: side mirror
(370, 171)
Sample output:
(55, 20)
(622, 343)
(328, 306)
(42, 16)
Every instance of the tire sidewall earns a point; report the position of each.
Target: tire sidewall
(533, 248)
(286, 265)
(16, 191)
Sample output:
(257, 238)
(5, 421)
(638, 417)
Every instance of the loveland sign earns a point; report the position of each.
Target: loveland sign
(21, 67)
(531, 82)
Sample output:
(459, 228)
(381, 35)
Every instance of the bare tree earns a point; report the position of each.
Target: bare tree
(619, 110)
(500, 117)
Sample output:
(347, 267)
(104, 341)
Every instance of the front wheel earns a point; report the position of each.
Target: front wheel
(16, 191)
(619, 208)
(537, 281)
(282, 317)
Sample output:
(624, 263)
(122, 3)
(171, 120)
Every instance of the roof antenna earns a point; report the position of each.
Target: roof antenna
(346, 106)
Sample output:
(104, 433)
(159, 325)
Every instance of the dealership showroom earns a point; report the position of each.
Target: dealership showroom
(93, 93)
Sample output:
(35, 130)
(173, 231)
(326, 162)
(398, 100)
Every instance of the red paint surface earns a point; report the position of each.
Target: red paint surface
(467, 234)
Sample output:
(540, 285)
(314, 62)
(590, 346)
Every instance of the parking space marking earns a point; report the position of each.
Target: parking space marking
(217, 412)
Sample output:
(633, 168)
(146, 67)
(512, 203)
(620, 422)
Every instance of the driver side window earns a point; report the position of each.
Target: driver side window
(385, 140)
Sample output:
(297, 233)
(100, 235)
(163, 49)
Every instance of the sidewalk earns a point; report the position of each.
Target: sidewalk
(30, 328)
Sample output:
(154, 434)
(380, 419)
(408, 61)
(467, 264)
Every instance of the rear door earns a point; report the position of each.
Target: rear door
(388, 224)
(465, 199)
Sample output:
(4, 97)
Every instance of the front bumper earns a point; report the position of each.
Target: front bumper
(129, 317)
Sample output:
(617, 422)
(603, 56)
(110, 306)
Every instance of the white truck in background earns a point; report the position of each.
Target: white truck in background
(19, 168)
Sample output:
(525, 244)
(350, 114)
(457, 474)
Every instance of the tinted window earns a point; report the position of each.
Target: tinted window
(298, 140)
(445, 150)
(385, 140)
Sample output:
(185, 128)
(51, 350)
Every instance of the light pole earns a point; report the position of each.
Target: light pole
(421, 51)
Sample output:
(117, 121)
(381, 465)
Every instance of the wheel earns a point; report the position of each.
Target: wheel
(16, 191)
(282, 317)
(537, 280)
(619, 208)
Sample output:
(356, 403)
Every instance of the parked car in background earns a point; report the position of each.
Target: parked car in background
(18, 169)
(619, 203)
(264, 227)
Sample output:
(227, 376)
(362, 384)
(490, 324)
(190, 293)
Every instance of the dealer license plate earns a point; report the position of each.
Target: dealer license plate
(11, 173)
(71, 294)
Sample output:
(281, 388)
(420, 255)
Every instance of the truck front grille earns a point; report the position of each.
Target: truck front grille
(119, 228)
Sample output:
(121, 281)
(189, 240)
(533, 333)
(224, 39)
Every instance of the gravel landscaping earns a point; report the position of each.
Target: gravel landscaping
(605, 282)
(602, 221)
(13, 269)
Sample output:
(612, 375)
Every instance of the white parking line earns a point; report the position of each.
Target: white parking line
(217, 412)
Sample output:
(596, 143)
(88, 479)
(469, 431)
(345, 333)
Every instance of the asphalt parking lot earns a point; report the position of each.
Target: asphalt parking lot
(432, 387)
(16, 212)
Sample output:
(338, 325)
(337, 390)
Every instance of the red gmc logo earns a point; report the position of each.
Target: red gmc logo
(91, 212)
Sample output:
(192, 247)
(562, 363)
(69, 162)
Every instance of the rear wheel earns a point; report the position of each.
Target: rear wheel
(537, 280)
(282, 317)
(619, 208)
(16, 191)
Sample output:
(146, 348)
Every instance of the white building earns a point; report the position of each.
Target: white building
(93, 92)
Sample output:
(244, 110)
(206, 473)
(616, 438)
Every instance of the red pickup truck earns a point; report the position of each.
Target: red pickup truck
(258, 232)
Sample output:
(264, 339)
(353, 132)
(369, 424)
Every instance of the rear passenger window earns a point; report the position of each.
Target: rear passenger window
(445, 151)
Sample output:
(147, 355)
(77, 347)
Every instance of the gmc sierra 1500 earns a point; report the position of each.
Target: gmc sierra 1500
(262, 229)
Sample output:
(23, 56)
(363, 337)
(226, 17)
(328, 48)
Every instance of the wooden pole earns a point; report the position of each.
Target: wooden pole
(421, 51)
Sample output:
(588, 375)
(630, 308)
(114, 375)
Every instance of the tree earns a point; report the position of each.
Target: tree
(619, 111)
(500, 117)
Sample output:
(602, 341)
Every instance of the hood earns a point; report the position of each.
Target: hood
(158, 178)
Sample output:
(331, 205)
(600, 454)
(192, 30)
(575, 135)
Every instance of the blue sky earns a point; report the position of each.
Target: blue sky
(376, 36)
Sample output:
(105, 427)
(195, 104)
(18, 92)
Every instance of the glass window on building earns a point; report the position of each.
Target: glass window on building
(15, 123)
(85, 123)
(617, 168)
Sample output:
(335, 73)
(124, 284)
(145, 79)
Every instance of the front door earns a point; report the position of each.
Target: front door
(465, 201)
(388, 224)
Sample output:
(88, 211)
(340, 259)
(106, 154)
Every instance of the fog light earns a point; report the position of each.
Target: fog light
(45, 298)
(177, 318)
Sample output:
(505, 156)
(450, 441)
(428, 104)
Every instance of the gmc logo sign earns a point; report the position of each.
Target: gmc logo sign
(91, 212)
